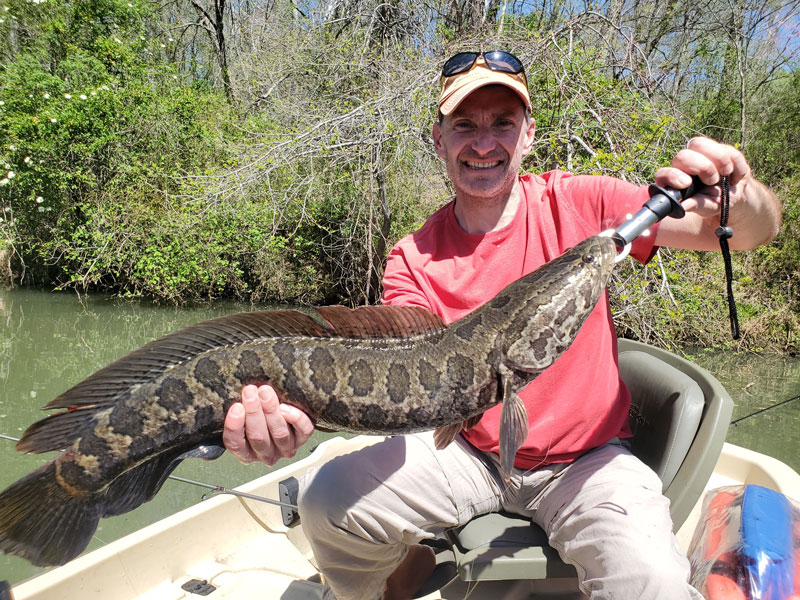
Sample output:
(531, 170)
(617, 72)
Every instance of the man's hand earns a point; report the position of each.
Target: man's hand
(262, 429)
(755, 212)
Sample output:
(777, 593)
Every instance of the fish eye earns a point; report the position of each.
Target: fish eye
(588, 258)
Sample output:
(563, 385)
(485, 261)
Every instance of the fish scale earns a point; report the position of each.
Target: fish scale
(376, 370)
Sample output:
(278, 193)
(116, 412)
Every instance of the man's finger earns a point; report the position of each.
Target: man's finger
(727, 159)
(672, 177)
(692, 162)
(741, 168)
(281, 434)
(255, 425)
(299, 422)
(233, 437)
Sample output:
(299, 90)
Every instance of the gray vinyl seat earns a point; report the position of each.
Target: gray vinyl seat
(679, 417)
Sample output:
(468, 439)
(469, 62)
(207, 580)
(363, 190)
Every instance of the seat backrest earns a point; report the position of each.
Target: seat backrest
(666, 406)
(683, 469)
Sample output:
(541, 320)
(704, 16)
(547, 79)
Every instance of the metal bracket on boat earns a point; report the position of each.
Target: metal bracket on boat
(287, 493)
(201, 587)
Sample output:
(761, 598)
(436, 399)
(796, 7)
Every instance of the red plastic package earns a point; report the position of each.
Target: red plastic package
(747, 545)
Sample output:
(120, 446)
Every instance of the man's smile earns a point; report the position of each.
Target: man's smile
(482, 165)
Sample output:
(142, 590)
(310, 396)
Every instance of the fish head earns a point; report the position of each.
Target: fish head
(554, 301)
(596, 257)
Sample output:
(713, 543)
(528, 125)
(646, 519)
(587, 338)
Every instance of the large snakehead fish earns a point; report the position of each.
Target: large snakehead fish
(378, 370)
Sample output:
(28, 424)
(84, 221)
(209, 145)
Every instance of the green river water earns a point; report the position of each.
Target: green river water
(49, 342)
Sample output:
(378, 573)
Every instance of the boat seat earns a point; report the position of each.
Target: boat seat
(679, 418)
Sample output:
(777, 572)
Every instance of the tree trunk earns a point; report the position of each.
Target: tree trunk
(214, 25)
(378, 249)
(222, 53)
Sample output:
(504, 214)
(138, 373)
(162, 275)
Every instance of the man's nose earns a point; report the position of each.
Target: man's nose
(484, 141)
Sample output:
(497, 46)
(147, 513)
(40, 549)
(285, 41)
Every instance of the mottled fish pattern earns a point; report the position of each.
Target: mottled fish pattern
(379, 370)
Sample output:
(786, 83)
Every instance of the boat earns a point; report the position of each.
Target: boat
(235, 547)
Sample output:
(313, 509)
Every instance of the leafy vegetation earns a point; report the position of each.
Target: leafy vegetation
(274, 152)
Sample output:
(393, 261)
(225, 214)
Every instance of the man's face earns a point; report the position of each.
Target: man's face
(483, 142)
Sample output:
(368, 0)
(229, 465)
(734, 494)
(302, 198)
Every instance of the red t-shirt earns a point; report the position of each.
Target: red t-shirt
(579, 403)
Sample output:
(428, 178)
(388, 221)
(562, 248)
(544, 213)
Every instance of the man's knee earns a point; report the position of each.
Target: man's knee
(336, 493)
(642, 578)
(325, 496)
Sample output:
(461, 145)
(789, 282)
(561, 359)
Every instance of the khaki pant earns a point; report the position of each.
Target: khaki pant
(604, 513)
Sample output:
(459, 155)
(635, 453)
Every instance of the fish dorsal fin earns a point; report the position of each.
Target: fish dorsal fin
(102, 388)
(381, 321)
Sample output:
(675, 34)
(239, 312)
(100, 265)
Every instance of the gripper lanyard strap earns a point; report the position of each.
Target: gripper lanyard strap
(724, 233)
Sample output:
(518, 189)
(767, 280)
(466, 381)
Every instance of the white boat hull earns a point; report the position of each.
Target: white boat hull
(242, 548)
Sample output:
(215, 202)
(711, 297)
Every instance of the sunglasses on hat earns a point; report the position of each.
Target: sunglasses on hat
(496, 60)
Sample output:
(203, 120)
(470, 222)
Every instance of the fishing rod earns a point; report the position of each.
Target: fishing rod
(224, 490)
(216, 488)
(758, 412)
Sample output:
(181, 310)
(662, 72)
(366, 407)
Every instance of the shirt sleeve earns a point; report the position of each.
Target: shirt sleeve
(607, 201)
(400, 286)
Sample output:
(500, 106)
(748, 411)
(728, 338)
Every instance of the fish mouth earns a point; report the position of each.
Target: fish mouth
(607, 251)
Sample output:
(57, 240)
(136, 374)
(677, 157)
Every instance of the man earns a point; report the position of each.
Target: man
(602, 508)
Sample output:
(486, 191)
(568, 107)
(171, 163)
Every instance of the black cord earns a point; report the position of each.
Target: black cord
(724, 233)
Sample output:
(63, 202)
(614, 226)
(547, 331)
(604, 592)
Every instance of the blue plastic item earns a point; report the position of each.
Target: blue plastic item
(767, 551)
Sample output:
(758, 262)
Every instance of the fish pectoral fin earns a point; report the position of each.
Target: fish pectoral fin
(204, 451)
(444, 436)
(471, 422)
(513, 431)
(139, 484)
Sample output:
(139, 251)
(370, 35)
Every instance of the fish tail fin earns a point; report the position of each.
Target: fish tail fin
(42, 522)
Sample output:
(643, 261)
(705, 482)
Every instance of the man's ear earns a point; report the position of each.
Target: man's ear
(437, 139)
(530, 135)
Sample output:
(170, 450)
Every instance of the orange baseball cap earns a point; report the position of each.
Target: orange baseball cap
(455, 88)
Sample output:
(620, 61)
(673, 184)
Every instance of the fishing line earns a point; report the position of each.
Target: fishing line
(215, 488)
(758, 412)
